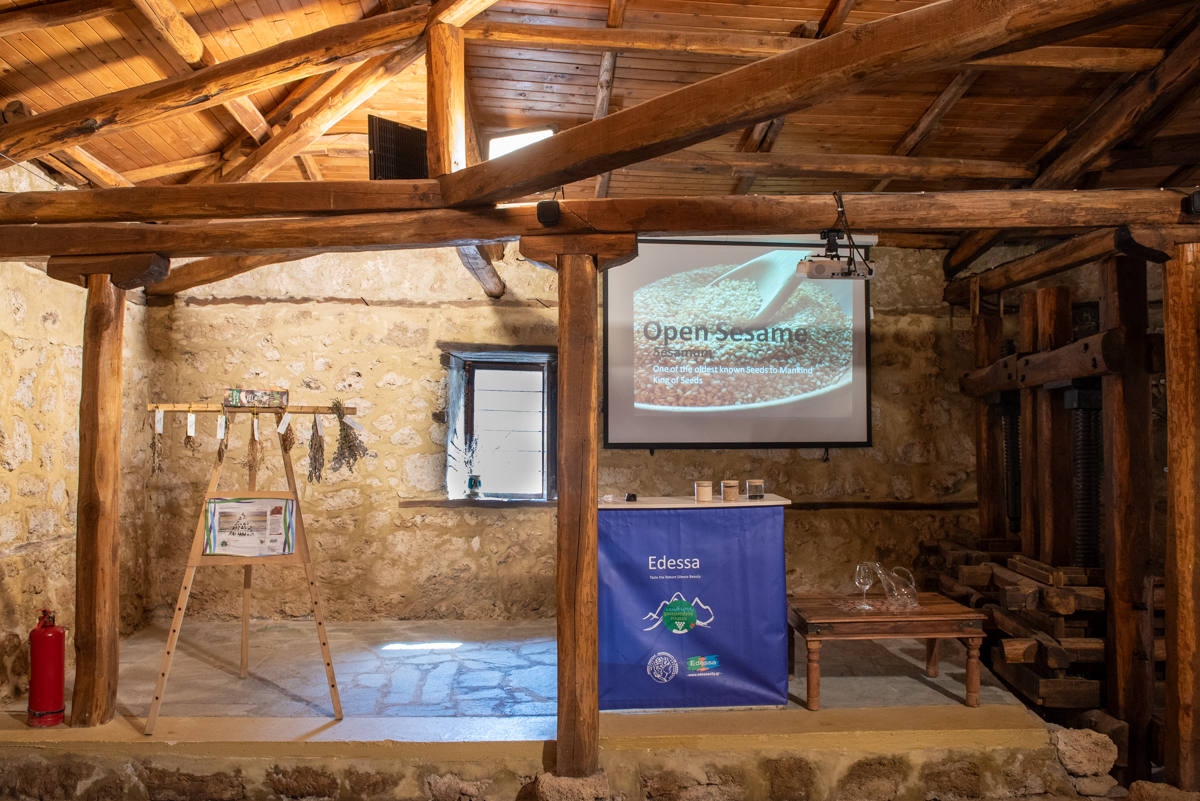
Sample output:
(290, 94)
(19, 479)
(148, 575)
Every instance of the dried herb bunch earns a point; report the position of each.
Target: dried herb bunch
(157, 456)
(349, 447)
(316, 453)
(223, 445)
(254, 451)
(288, 438)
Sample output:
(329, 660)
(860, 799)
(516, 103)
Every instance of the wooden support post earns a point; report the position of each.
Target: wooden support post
(578, 410)
(1054, 434)
(1030, 518)
(989, 460)
(1129, 489)
(97, 543)
(1182, 321)
(447, 99)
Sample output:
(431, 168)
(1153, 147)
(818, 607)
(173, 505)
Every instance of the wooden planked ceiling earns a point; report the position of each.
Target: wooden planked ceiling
(1006, 115)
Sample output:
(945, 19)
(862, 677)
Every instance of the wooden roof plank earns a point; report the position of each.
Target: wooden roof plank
(210, 86)
(922, 39)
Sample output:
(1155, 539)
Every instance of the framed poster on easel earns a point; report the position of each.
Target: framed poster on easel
(248, 528)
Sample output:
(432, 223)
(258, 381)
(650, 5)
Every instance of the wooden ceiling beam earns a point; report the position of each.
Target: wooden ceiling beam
(218, 201)
(753, 46)
(1084, 249)
(71, 161)
(446, 100)
(186, 94)
(604, 81)
(929, 123)
(210, 270)
(834, 17)
(458, 12)
(175, 167)
(1118, 119)
(306, 128)
(1170, 151)
(867, 212)
(48, 15)
(922, 39)
(804, 165)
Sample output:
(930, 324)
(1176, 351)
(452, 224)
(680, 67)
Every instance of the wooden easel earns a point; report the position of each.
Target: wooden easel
(299, 556)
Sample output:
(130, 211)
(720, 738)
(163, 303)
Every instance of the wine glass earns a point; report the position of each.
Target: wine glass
(864, 577)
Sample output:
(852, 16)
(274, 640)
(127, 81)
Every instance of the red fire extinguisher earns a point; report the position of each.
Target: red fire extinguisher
(47, 655)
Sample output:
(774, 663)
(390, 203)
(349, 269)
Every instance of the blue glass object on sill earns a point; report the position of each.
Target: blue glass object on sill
(473, 485)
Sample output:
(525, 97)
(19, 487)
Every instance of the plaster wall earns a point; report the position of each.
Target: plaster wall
(41, 334)
(365, 328)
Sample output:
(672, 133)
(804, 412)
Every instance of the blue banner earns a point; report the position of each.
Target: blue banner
(693, 608)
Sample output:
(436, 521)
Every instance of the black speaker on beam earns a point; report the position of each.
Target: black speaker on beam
(395, 151)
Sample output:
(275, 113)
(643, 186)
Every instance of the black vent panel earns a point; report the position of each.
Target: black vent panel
(396, 152)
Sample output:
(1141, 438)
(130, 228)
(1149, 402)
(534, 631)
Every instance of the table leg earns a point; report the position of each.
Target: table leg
(931, 657)
(973, 644)
(791, 646)
(814, 675)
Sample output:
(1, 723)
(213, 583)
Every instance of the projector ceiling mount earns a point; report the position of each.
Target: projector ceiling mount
(830, 265)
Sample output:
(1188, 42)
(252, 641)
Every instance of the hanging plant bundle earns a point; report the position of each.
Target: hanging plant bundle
(349, 447)
(288, 438)
(223, 445)
(254, 452)
(157, 456)
(316, 452)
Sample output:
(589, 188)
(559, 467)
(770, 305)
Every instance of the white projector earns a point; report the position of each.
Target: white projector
(836, 268)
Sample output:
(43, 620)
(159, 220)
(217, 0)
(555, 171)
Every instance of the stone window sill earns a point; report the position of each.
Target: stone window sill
(477, 503)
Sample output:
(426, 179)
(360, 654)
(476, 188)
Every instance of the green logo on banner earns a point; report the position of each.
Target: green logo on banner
(679, 617)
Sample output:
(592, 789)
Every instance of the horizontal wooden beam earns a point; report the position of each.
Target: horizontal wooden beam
(1099, 354)
(676, 215)
(1084, 249)
(128, 270)
(625, 40)
(186, 94)
(189, 164)
(1170, 151)
(733, 165)
(219, 201)
(926, 38)
(48, 15)
(331, 145)
(210, 270)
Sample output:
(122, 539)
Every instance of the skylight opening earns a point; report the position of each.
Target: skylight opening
(503, 144)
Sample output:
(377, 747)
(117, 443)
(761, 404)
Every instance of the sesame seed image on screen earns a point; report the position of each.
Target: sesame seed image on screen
(690, 352)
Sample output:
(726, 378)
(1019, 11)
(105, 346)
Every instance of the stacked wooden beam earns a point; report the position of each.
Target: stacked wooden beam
(1048, 622)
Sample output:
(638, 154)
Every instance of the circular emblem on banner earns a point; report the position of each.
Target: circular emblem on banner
(679, 617)
(662, 667)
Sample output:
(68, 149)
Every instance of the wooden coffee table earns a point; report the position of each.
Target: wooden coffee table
(820, 617)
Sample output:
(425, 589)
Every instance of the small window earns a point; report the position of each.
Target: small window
(501, 435)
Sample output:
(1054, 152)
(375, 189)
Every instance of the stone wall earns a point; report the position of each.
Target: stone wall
(365, 328)
(41, 330)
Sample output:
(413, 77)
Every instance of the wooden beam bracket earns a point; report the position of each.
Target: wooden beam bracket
(128, 270)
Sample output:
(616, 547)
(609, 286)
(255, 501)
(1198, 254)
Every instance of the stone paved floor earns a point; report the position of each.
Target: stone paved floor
(461, 668)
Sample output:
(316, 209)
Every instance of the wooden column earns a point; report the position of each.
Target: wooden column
(97, 599)
(1181, 296)
(1055, 330)
(447, 100)
(578, 447)
(989, 449)
(1129, 487)
(1030, 517)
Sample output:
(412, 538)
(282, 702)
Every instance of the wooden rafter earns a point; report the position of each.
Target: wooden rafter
(71, 161)
(210, 270)
(309, 126)
(608, 69)
(185, 94)
(755, 46)
(803, 165)
(1106, 128)
(36, 17)
(925, 38)
(1032, 210)
(930, 122)
(458, 12)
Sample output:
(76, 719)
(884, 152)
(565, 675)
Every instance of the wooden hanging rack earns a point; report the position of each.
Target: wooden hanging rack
(213, 408)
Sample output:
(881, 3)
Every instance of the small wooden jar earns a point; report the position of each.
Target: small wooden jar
(729, 491)
(703, 492)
